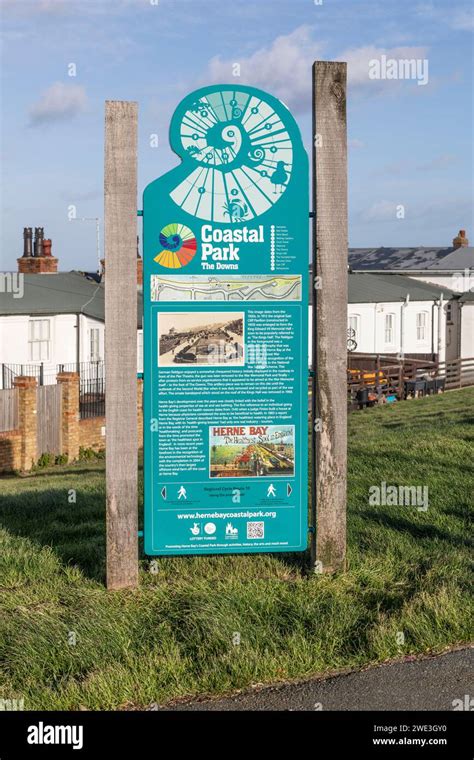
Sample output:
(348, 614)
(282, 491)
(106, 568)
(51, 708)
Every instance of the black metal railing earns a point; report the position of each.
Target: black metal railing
(92, 398)
(91, 387)
(91, 381)
(8, 372)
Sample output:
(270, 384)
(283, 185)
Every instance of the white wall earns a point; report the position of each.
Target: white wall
(14, 335)
(140, 351)
(14, 340)
(371, 332)
(460, 281)
(14, 346)
(86, 325)
(467, 330)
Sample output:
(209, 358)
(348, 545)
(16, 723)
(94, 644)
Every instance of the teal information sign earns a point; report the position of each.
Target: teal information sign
(225, 288)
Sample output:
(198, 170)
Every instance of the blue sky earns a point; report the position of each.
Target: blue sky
(409, 144)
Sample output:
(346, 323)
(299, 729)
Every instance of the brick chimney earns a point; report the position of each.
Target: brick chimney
(37, 258)
(461, 241)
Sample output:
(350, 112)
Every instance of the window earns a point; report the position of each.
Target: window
(39, 340)
(421, 323)
(94, 344)
(353, 323)
(390, 329)
(449, 313)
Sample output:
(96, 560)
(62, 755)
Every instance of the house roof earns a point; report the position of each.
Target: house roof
(60, 293)
(76, 293)
(415, 259)
(461, 258)
(468, 296)
(365, 287)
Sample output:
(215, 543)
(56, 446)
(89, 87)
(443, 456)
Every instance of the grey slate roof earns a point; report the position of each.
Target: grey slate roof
(405, 259)
(61, 293)
(460, 259)
(468, 296)
(75, 293)
(365, 287)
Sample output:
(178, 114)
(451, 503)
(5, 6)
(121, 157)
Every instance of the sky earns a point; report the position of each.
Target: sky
(410, 143)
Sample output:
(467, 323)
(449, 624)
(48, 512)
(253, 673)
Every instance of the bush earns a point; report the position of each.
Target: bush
(46, 459)
(89, 455)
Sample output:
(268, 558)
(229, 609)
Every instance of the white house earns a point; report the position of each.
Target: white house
(466, 305)
(449, 269)
(392, 315)
(52, 320)
(58, 320)
(400, 301)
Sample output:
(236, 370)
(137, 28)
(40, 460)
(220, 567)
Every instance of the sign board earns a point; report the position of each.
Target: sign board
(225, 286)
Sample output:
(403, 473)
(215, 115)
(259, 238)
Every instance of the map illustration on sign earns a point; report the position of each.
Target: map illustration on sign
(225, 330)
(242, 157)
(199, 287)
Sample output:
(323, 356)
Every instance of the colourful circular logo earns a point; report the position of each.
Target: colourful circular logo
(178, 246)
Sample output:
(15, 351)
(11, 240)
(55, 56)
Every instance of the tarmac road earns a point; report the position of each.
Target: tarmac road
(430, 683)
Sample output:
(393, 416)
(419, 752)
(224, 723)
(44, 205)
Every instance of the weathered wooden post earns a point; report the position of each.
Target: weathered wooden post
(378, 379)
(120, 198)
(330, 254)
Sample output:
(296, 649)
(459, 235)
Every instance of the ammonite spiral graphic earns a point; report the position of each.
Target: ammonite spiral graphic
(178, 246)
(243, 156)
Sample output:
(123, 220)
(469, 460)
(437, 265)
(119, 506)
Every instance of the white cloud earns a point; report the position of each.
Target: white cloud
(381, 211)
(426, 213)
(358, 60)
(59, 102)
(283, 68)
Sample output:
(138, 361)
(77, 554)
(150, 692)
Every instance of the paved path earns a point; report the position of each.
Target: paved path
(425, 684)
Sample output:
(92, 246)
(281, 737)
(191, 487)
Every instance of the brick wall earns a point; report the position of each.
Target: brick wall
(27, 419)
(18, 447)
(70, 413)
(38, 265)
(90, 433)
(10, 451)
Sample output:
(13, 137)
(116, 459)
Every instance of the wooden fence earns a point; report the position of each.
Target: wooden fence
(48, 420)
(458, 373)
(8, 410)
(374, 377)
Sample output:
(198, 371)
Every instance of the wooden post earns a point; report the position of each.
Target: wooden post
(120, 197)
(378, 376)
(330, 257)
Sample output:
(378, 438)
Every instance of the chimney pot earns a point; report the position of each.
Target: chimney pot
(27, 242)
(461, 241)
(41, 261)
(38, 245)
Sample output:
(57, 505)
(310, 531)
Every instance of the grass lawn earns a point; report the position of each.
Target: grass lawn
(408, 573)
